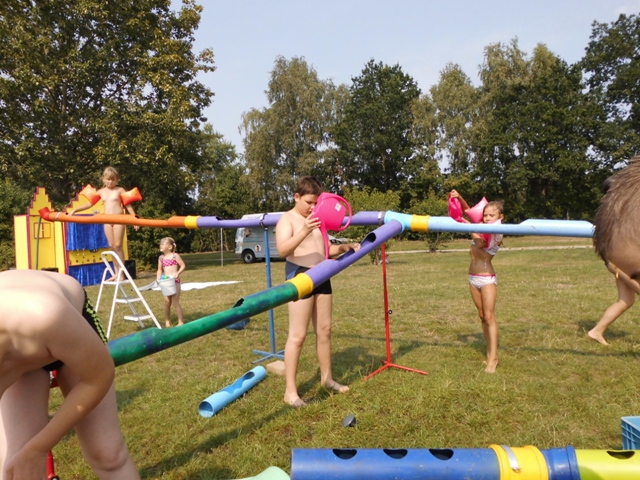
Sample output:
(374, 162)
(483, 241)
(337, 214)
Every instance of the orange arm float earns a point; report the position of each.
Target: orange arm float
(119, 219)
(131, 196)
(91, 194)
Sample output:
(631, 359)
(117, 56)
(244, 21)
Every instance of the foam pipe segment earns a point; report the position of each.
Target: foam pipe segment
(216, 402)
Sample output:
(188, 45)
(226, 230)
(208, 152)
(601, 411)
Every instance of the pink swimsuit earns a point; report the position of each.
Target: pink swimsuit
(171, 262)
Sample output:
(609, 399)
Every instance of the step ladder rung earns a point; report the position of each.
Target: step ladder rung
(137, 318)
(119, 290)
(128, 300)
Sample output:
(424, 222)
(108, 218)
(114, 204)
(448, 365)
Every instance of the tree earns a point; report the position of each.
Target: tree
(290, 137)
(456, 103)
(89, 83)
(374, 136)
(532, 136)
(222, 190)
(611, 67)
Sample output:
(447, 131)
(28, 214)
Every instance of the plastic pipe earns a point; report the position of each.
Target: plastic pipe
(216, 402)
(399, 464)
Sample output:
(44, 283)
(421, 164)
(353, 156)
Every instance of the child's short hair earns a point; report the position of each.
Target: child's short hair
(497, 204)
(110, 173)
(170, 241)
(308, 185)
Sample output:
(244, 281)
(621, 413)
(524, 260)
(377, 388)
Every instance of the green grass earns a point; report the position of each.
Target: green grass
(554, 386)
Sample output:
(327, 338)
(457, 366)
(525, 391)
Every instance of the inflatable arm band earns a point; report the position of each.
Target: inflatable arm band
(131, 196)
(91, 194)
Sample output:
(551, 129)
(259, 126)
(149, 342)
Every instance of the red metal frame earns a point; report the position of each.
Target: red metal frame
(388, 363)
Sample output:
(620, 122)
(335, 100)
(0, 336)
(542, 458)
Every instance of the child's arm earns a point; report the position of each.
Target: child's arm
(286, 240)
(180, 264)
(130, 210)
(478, 240)
(82, 207)
(336, 250)
(463, 202)
(159, 272)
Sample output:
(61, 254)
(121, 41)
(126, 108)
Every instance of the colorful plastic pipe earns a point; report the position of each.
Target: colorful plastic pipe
(416, 223)
(499, 462)
(216, 402)
(151, 340)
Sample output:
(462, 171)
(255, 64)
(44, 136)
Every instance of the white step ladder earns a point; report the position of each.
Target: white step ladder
(119, 289)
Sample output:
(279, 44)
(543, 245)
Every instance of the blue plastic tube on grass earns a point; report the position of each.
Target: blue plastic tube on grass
(216, 402)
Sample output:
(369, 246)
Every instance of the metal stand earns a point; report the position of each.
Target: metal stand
(272, 329)
(388, 362)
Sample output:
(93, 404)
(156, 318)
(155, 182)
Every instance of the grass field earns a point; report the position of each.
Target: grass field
(554, 386)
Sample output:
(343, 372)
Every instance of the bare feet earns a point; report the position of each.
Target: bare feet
(167, 324)
(180, 323)
(336, 387)
(295, 403)
(597, 337)
(491, 366)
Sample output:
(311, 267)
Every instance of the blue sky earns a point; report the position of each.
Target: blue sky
(339, 37)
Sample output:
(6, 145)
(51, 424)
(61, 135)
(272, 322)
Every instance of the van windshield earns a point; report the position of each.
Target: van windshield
(239, 234)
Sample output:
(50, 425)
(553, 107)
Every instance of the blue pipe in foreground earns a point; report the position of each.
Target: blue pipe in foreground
(216, 402)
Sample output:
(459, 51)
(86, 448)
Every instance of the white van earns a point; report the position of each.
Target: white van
(250, 241)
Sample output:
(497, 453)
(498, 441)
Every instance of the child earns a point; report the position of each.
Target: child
(110, 195)
(616, 240)
(48, 323)
(171, 265)
(482, 278)
(298, 239)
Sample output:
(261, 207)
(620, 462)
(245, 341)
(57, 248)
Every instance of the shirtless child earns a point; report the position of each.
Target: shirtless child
(110, 195)
(46, 323)
(299, 240)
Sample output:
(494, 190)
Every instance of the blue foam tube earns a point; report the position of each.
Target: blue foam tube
(405, 464)
(562, 463)
(216, 402)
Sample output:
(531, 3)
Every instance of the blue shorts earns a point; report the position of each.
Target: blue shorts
(291, 270)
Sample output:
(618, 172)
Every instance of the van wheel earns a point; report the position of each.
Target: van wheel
(248, 256)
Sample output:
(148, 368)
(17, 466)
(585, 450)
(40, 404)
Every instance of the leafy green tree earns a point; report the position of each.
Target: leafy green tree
(290, 137)
(532, 135)
(611, 66)
(89, 83)
(455, 100)
(13, 201)
(375, 134)
(222, 191)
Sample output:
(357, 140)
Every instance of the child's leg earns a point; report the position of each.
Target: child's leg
(24, 412)
(626, 297)
(299, 314)
(115, 237)
(167, 312)
(485, 301)
(322, 317)
(100, 437)
(176, 302)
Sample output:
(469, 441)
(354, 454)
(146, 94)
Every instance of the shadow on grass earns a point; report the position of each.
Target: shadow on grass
(585, 325)
(170, 463)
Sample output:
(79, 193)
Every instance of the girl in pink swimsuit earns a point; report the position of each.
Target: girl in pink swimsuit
(170, 264)
(483, 282)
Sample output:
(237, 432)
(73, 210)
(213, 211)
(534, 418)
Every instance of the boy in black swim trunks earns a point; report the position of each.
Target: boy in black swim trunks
(298, 239)
(42, 327)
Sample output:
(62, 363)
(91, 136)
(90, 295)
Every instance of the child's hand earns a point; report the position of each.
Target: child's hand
(311, 222)
(352, 246)
(454, 194)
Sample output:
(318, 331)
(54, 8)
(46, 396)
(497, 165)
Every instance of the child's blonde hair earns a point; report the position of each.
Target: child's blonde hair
(110, 173)
(170, 241)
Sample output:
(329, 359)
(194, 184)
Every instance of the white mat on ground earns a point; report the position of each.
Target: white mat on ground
(187, 286)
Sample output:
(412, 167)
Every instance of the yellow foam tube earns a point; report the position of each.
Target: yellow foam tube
(521, 463)
(303, 284)
(608, 464)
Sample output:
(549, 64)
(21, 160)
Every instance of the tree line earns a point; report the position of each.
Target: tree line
(86, 84)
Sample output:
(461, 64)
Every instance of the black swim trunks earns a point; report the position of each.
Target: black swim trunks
(92, 319)
(291, 270)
